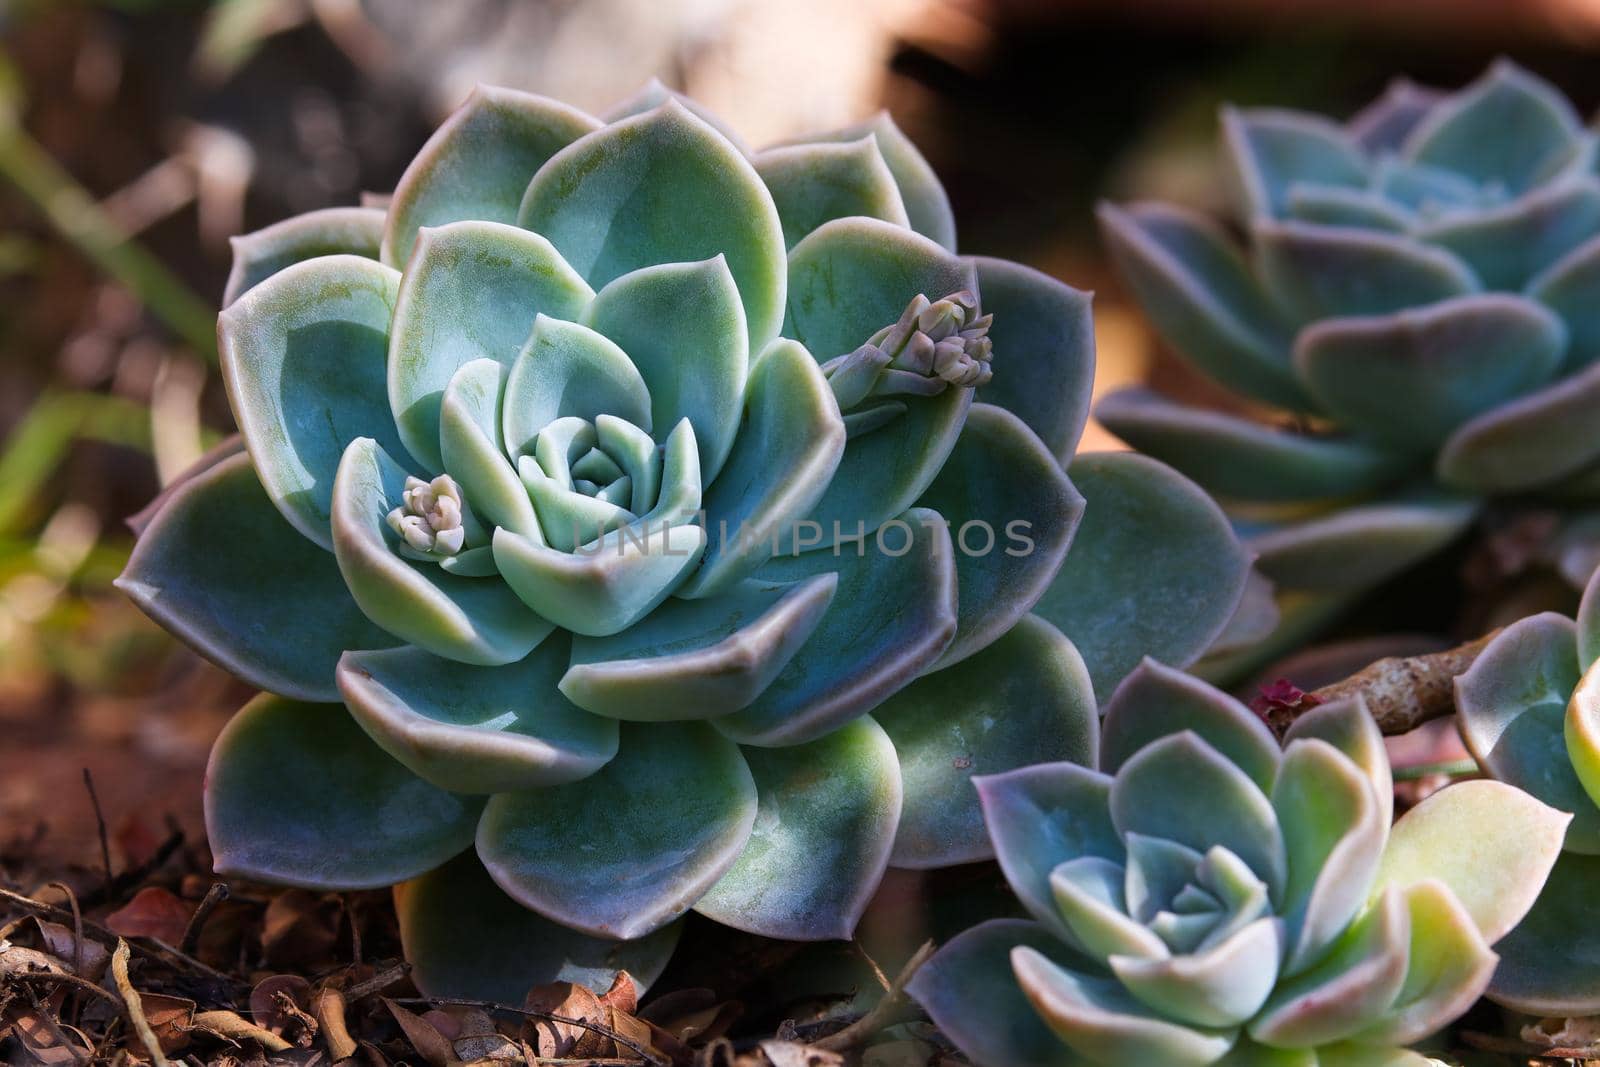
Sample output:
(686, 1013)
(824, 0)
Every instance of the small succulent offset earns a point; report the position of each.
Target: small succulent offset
(1206, 897)
(1415, 316)
(609, 477)
(1529, 712)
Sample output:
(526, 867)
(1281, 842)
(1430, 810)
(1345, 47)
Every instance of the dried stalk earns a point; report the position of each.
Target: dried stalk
(135, 1006)
(1401, 692)
(882, 1013)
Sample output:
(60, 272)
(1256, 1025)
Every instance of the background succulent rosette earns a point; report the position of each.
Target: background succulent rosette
(1411, 326)
(1529, 712)
(560, 741)
(1205, 897)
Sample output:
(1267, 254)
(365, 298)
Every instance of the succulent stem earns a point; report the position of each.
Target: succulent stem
(932, 346)
(429, 518)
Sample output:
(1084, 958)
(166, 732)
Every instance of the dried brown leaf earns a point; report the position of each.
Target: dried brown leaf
(794, 1054)
(153, 912)
(329, 1009)
(59, 941)
(430, 1044)
(559, 1040)
(623, 994)
(300, 929)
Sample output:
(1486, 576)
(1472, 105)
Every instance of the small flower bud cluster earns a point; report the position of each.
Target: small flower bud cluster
(932, 346)
(429, 516)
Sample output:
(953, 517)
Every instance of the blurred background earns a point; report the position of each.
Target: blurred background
(137, 136)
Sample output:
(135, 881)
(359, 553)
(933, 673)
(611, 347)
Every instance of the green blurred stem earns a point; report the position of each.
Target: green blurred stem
(1455, 768)
(39, 443)
(79, 219)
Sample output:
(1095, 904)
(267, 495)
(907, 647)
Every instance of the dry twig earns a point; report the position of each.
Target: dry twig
(1401, 692)
(135, 1006)
(882, 1012)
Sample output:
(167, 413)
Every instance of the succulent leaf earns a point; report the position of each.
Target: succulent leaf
(1319, 271)
(1581, 730)
(332, 231)
(1491, 844)
(1354, 982)
(1528, 442)
(1447, 968)
(1218, 987)
(1363, 545)
(969, 991)
(1012, 512)
(1411, 378)
(1237, 814)
(298, 794)
(698, 659)
(625, 851)
(1040, 817)
(1571, 288)
(1203, 299)
(1026, 699)
(816, 183)
(848, 280)
(1044, 334)
(1349, 727)
(1097, 1018)
(1509, 129)
(653, 94)
(459, 618)
(472, 445)
(1384, 124)
(228, 447)
(894, 613)
(683, 328)
(465, 938)
(1335, 829)
(1588, 621)
(471, 291)
(303, 360)
(1508, 245)
(477, 165)
(788, 448)
(1329, 205)
(475, 729)
(662, 187)
(824, 827)
(1511, 707)
(222, 569)
(610, 583)
(1550, 964)
(1155, 701)
(1154, 569)
(1272, 150)
(569, 371)
(926, 204)
(1242, 459)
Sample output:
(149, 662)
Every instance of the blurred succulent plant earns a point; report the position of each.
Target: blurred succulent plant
(1205, 897)
(1529, 712)
(566, 514)
(1412, 326)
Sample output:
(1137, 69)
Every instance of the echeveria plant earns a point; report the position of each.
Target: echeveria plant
(609, 477)
(1207, 897)
(1413, 319)
(1529, 712)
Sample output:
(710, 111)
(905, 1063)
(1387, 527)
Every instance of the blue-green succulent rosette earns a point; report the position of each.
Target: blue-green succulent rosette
(1412, 324)
(626, 523)
(1198, 895)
